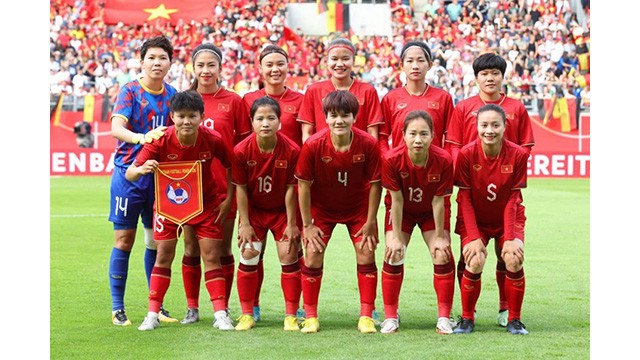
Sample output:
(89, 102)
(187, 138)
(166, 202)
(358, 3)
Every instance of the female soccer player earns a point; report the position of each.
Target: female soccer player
(186, 142)
(263, 172)
(490, 173)
(340, 57)
(419, 176)
(273, 65)
(339, 183)
(225, 113)
(417, 94)
(489, 70)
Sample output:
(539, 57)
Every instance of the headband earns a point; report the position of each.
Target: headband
(418, 46)
(343, 46)
(207, 50)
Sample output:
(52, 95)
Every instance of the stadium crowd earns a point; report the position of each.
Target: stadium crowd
(546, 46)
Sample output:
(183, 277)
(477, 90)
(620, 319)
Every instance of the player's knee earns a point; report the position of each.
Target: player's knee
(512, 262)
(251, 256)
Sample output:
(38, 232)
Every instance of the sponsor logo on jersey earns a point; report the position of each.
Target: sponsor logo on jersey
(172, 157)
(404, 175)
(251, 163)
(477, 167)
(326, 159)
(401, 106)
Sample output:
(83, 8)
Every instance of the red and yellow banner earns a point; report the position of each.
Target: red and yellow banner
(141, 11)
(178, 187)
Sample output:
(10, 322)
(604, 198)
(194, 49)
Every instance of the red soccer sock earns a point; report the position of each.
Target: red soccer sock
(247, 282)
(158, 286)
(228, 265)
(514, 285)
(311, 280)
(367, 286)
(392, 276)
(191, 274)
(291, 287)
(470, 287)
(443, 283)
(256, 296)
(215, 283)
(501, 272)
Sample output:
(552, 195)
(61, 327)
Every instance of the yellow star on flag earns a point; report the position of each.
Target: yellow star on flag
(160, 12)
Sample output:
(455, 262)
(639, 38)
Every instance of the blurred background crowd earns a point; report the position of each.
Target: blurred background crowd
(546, 44)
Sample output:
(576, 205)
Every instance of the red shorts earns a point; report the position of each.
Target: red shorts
(203, 225)
(327, 221)
(263, 221)
(424, 221)
(496, 232)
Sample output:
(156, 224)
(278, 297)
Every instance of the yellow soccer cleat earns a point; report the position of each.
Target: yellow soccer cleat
(366, 325)
(291, 323)
(164, 316)
(119, 318)
(310, 325)
(245, 322)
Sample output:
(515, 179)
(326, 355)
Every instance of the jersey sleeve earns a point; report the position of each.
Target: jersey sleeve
(123, 107)
(374, 116)
(390, 174)
(238, 172)
(305, 164)
(306, 113)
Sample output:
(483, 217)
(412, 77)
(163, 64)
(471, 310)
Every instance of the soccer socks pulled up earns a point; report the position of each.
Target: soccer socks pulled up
(191, 275)
(247, 282)
(514, 285)
(367, 286)
(470, 287)
(158, 286)
(501, 272)
(291, 287)
(118, 272)
(443, 283)
(215, 282)
(392, 277)
(260, 272)
(228, 265)
(311, 280)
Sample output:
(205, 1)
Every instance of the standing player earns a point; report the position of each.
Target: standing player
(419, 176)
(140, 115)
(339, 183)
(417, 94)
(263, 172)
(490, 173)
(489, 71)
(340, 57)
(226, 114)
(273, 64)
(187, 141)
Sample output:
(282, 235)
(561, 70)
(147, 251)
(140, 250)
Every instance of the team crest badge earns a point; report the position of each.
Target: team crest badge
(144, 102)
(178, 192)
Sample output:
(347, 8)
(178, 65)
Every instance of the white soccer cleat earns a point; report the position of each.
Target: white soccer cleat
(223, 321)
(444, 326)
(150, 322)
(389, 326)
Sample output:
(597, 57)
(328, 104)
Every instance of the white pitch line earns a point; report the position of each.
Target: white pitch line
(77, 215)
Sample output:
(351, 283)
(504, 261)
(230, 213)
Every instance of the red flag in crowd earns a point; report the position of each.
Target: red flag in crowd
(141, 11)
(289, 35)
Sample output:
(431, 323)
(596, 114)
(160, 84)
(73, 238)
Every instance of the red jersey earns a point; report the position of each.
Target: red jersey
(266, 175)
(341, 180)
(209, 146)
(369, 112)
(398, 103)
(289, 103)
(418, 184)
(225, 112)
(462, 128)
(491, 183)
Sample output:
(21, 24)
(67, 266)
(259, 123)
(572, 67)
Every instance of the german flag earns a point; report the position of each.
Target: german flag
(338, 17)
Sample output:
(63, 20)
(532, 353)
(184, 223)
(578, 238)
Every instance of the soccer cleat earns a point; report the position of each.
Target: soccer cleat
(444, 326)
(119, 318)
(222, 321)
(389, 326)
(503, 317)
(256, 313)
(291, 323)
(375, 316)
(193, 316)
(310, 325)
(150, 322)
(165, 317)
(465, 327)
(366, 325)
(301, 314)
(245, 322)
(516, 327)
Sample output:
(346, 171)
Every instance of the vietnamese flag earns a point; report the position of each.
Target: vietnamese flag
(140, 11)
